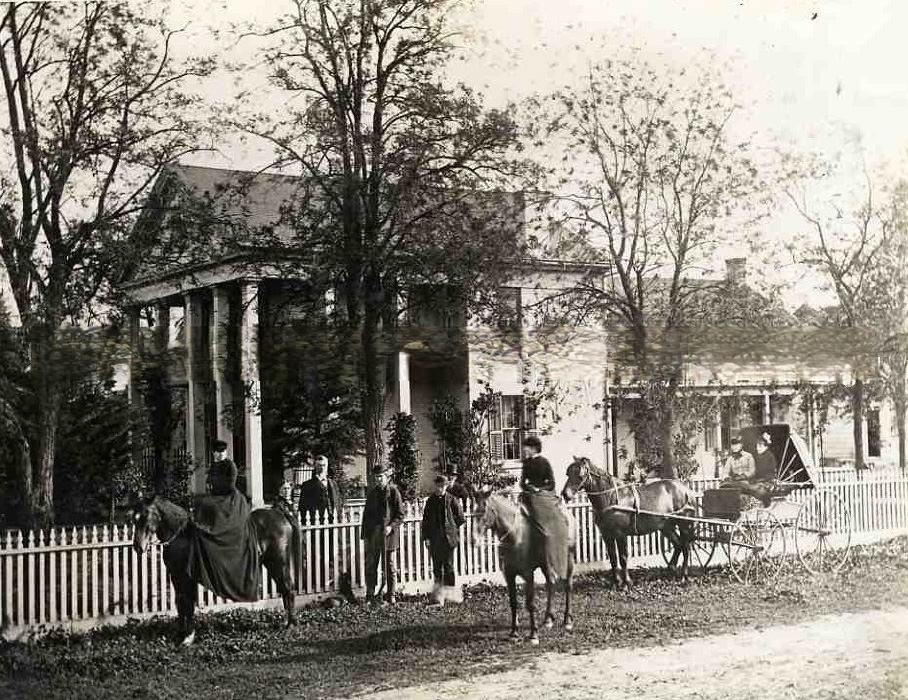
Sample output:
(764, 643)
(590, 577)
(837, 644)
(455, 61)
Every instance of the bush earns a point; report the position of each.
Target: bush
(402, 457)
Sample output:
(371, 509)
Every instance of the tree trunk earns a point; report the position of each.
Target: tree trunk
(373, 391)
(857, 412)
(41, 502)
(667, 429)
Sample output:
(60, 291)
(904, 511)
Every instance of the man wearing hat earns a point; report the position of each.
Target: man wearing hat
(740, 464)
(382, 516)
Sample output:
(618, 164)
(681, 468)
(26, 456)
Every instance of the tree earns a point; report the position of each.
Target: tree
(649, 177)
(95, 106)
(401, 170)
(890, 292)
(402, 456)
(845, 242)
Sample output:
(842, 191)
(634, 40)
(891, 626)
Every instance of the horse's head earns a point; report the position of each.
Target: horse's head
(578, 477)
(483, 514)
(147, 521)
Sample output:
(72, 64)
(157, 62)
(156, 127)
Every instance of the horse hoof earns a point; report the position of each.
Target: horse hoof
(188, 639)
(515, 637)
(569, 626)
(549, 623)
(534, 641)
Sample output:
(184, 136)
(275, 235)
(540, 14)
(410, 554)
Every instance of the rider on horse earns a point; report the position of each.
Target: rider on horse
(537, 483)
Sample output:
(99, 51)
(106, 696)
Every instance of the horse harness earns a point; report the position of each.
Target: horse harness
(616, 488)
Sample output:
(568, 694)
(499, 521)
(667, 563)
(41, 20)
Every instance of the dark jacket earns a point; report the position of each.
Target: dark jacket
(441, 520)
(222, 477)
(537, 472)
(317, 499)
(766, 466)
(384, 507)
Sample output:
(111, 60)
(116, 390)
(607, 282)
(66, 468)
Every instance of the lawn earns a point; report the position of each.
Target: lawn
(342, 651)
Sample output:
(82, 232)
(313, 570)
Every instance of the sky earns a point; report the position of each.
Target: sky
(810, 76)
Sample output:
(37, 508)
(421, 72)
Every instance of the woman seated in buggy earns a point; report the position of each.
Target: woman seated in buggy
(752, 475)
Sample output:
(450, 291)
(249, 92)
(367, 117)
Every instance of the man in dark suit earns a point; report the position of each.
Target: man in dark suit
(382, 516)
(319, 497)
(441, 521)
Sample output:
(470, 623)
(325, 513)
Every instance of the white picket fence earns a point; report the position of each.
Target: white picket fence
(85, 576)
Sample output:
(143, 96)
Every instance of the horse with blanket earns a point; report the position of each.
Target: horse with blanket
(221, 545)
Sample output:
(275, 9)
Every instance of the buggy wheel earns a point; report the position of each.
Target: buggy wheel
(823, 533)
(702, 547)
(756, 546)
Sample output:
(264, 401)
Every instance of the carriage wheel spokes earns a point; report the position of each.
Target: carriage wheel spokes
(756, 546)
(823, 521)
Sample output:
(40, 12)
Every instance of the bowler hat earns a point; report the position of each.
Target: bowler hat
(379, 469)
(219, 446)
(736, 440)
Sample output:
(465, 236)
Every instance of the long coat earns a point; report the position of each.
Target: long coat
(441, 520)
(384, 507)
(318, 499)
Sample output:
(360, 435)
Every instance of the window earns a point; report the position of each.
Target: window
(509, 423)
(873, 432)
(509, 309)
(709, 434)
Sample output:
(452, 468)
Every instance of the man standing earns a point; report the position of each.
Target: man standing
(441, 521)
(319, 496)
(382, 516)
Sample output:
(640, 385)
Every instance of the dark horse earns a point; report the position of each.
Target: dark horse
(521, 556)
(668, 496)
(277, 541)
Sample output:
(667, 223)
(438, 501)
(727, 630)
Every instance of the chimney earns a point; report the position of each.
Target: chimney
(736, 270)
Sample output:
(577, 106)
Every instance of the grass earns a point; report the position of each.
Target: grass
(341, 651)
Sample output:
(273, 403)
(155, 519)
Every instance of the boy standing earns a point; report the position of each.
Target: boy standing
(441, 521)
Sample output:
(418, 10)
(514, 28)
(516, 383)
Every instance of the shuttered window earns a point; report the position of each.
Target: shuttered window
(509, 422)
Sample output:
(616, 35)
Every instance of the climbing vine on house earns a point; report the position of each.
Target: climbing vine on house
(402, 455)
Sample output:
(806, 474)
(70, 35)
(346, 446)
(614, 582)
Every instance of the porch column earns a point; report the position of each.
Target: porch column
(249, 368)
(403, 382)
(162, 333)
(195, 430)
(223, 392)
(767, 409)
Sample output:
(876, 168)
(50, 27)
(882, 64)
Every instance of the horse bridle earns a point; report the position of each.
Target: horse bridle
(585, 484)
(175, 534)
(486, 509)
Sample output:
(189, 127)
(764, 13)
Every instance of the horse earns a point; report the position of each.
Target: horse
(521, 556)
(276, 537)
(666, 496)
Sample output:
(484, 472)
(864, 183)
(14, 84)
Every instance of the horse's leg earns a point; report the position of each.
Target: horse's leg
(531, 606)
(511, 578)
(610, 549)
(549, 620)
(186, 591)
(278, 568)
(622, 557)
(678, 540)
(568, 585)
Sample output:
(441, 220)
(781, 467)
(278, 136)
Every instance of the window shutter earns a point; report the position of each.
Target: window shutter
(496, 446)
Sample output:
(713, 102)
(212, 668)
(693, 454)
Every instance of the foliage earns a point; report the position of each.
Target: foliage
(95, 108)
(349, 487)
(403, 459)
(311, 399)
(400, 169)
(650, 183)
(465, 447)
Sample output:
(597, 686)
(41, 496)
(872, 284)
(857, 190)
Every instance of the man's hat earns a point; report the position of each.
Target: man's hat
(219, 446)
(379, 469)
(736, 440)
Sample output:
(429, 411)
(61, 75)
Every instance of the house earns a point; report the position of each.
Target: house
(216, 299)
(761, 366)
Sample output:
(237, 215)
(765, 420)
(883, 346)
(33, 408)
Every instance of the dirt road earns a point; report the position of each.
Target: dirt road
(862, 655)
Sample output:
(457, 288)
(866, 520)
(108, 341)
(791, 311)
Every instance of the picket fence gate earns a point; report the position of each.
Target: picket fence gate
(81, 577)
